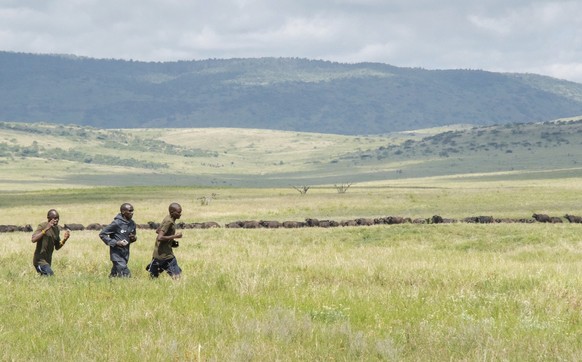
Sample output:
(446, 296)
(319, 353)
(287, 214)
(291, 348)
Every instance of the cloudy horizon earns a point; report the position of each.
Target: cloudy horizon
(523, 36)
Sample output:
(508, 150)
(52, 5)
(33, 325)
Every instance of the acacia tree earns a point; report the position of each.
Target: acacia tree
(205, 200)
(341, 189)
(302, 189)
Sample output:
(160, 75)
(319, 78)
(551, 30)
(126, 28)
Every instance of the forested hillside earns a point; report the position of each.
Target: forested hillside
(271, 93)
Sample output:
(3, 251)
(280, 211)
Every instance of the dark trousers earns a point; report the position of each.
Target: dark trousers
(44, 270)
(119, 268)
(158, 266)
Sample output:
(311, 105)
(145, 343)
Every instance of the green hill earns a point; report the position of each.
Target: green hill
(37, 156)
(271, 93)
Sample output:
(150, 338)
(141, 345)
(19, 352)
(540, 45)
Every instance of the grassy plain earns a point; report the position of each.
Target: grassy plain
(394, 292)
(43, 156)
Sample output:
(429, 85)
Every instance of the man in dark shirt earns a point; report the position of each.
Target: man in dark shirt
(47, 238)
(163, 257)
(118, 236)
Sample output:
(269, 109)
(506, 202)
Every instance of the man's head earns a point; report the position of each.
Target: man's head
(126, 211)
(52, 214)
(175, 210)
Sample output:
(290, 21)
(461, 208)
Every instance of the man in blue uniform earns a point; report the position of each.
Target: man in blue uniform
(118, 236)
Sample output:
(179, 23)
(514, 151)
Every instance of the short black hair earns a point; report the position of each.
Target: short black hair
(125, 205)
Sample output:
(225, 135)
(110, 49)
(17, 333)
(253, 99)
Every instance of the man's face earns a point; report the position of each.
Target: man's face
(176, 213)
(54, 216)
(127, 212)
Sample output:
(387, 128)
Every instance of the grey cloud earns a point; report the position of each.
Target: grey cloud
(541, 36)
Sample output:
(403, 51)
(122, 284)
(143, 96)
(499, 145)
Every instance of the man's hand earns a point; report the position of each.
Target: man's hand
(132, 238)
(122, 242)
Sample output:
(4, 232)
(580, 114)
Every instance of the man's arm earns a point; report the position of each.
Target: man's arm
(133, 234)
(106, 233)
(162, 237)
(39, 233)
(62, 242)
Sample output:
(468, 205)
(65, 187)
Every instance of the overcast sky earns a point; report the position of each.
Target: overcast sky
(533, 36)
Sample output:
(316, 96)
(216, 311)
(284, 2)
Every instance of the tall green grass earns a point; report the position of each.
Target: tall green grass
(398, 292)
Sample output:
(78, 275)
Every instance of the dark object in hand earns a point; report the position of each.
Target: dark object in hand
(175, 243)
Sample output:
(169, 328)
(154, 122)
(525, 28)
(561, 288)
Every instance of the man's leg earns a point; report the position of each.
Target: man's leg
(154, 268)
(173, 268)
(45, 270)
(119, 268)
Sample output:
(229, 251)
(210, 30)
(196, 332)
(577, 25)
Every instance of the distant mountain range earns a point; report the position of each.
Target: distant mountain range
(272, 93)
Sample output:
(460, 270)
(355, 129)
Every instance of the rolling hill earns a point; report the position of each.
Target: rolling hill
(44, 156)
(289, 94)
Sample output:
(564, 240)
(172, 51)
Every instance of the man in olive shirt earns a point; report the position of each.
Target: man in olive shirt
(47, 239)
(163, 258)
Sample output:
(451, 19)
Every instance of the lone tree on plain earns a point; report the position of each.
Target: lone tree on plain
(341, 189)
(205, 200)
(303, 189)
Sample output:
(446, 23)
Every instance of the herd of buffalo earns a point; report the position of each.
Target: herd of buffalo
(388, 220)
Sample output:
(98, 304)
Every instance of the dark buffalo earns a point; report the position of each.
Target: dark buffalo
(94, 226)
(8, 228)
(348, 223)
(210, 225)
(196, 225)
(270, 224)
(486, 219)
(234, 225)
(251, 224)
(541, 218)
(154, 225)
(74, 227)
(365, 222)
(573, 218)
(382, 220)
(328, 223)
(25, 228)
(312, 222)
(291, 224)
(479, 219)
(397, 220)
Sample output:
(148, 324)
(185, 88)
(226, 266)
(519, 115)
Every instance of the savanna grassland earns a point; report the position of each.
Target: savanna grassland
(408, 292)
(385, 292)
(47, 156)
